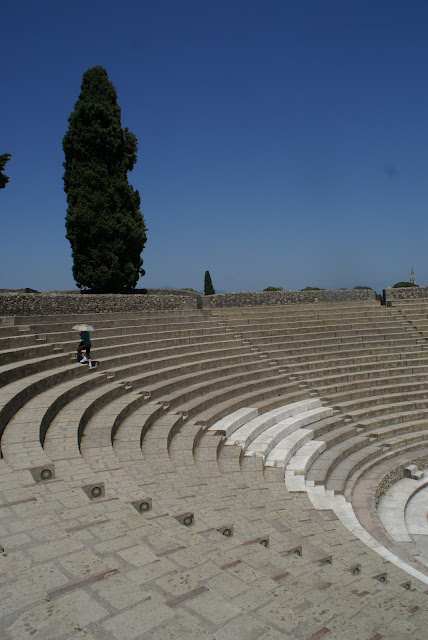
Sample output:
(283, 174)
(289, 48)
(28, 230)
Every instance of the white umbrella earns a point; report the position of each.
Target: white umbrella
(83, 327)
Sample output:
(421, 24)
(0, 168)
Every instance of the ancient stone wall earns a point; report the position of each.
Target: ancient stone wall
(407, 293)
(269, 298)
(30, 304)
(397, 474)
(20, 303)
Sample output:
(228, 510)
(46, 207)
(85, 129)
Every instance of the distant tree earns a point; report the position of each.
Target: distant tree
(208, 285)
(273, 289)
(400, 285)
(104, 224)
(312, 289)
(189, 289)
(361, 287)
(3, 179)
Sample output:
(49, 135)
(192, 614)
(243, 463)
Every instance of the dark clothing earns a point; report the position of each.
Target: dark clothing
(81, 348)
(86, 340)
(85, 345)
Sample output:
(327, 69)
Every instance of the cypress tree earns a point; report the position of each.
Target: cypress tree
(3, 179)
(208, 285)
(104, 224)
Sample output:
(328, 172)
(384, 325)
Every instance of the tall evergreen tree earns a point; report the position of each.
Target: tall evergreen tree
(104, 224)
(208, 285)
(3, 179)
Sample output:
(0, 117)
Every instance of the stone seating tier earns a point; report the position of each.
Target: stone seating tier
(141, 340)
(99, 430)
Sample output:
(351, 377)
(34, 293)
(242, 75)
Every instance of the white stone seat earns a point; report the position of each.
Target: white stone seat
(305, 456)
(250, 430)
(233, 421)
(392, 507)
(270, 438)
(282, 453)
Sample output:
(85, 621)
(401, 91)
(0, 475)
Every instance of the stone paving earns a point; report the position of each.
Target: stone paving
(136, 450)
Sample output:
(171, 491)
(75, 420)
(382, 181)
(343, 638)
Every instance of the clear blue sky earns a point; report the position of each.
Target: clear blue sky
(281, 142)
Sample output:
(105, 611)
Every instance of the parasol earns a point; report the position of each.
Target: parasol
(83, 327)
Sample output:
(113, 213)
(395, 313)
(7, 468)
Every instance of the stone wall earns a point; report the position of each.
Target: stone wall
(397, 474)
(31, 304)
(173, 292)
(20, 303)
(407, 293)
(271, 298)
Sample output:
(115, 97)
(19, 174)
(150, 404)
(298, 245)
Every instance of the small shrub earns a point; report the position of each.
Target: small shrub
(312, 289)
(400, 285)
(273, 289)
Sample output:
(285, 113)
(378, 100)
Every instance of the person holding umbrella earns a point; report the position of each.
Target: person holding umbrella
(85, 343)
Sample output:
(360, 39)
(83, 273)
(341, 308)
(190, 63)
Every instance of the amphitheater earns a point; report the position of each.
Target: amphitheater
(235, 468)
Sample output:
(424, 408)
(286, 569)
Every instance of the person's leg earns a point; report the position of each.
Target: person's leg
(85, 357)
(80, 350)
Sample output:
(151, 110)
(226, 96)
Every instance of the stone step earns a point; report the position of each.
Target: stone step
(264, 401)
(357, 407)
(381, 433)
(159, 331)
(357, 363)
(339, 476)
(282, 453)
(372, 394)
(387, 459)
(392, 507)
(302, 460)
(15, 395)
(247, 433)
(271, 437)
(203, 401)
(363, 380)
(323, 466)
(345, 459)
(121, 344)
(233, 421)
(160, 384)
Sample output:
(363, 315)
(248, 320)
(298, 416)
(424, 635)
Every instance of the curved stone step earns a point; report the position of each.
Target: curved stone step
(304, 457)
(392, 507)
(281, 454)
(230, 423)
(247, 433)
(271, 437)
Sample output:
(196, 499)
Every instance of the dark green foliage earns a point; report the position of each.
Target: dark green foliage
(208, 285)
(273, 289)
(312, 289)
(362, 287)
(400, 285)
(189, 289)
(3, 179)
(104, 224)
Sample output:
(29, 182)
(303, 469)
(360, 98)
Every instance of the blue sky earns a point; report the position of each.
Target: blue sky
(280, 142)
